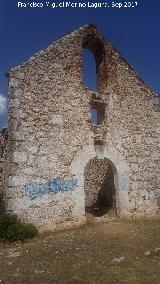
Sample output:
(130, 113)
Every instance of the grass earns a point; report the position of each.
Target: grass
(116, 251)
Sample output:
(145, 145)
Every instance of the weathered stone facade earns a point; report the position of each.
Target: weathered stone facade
(51, 137)
(3, 165)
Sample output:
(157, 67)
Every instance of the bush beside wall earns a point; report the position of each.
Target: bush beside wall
(12, 229)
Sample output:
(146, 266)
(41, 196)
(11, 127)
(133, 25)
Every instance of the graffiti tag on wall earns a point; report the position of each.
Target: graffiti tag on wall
(53, 186)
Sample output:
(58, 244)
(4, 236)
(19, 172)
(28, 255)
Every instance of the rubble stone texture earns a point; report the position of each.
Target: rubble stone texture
(3, 165)
(51, 138)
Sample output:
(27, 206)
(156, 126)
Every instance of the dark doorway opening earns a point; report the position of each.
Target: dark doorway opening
(100, 192)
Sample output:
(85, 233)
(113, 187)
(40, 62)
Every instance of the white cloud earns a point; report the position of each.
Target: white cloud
(3, 104)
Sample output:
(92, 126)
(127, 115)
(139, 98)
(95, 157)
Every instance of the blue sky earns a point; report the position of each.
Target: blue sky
(134, 31)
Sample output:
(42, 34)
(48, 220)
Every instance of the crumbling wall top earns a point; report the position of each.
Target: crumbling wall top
(88, 36)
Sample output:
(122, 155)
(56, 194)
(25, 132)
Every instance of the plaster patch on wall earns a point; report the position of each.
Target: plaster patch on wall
(52, 186)
(99, 152)
(57, 119)
(19, 157)
(14, 82)
(14, 102)
(17, 181)
(123, 183)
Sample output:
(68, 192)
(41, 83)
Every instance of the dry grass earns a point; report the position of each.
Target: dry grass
(115, 252)
(90, 220)
(116, 229)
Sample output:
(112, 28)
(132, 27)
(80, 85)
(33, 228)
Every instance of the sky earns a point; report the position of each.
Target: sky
(135, 32)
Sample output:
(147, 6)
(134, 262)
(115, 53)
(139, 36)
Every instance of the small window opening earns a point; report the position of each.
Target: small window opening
(89, 70)
(97, 115)
(94, 116)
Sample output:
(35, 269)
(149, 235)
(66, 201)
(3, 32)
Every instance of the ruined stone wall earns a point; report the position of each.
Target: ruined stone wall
(50, 124)
(3, 165)
(46, 133)
(134, 124)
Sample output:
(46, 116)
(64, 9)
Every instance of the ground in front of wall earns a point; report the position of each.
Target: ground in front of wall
(111, 251)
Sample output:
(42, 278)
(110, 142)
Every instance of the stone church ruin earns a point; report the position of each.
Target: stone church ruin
(55, 162)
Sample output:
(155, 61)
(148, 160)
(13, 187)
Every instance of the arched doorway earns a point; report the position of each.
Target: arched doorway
(99, 186)
(121, 179)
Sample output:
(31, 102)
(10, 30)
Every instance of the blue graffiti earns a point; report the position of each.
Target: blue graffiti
(53, 186)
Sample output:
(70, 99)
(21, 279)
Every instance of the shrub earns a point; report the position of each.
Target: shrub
(12, 229)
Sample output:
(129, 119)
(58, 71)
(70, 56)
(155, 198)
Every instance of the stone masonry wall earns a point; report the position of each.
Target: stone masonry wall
(3, 164)
(50, 123)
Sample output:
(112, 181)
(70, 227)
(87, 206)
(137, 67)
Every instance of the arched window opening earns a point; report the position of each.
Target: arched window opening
(95, 70)
(89, 70)
(97, 114)
(100, 191)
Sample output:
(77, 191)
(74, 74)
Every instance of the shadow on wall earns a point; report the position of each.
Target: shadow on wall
(106, 195)
(100, 192)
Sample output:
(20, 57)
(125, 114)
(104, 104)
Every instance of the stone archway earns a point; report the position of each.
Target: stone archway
(100, 191)
(121, 178)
